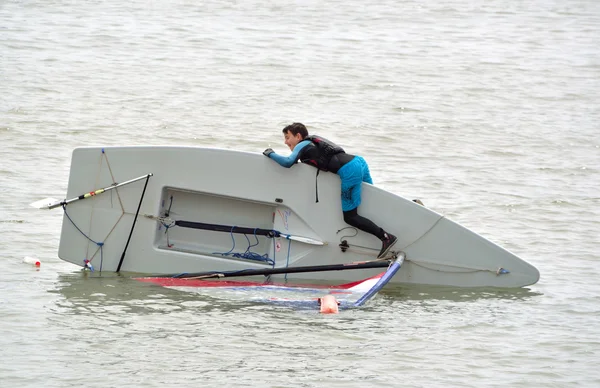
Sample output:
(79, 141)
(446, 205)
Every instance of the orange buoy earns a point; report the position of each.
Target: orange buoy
(329, 305)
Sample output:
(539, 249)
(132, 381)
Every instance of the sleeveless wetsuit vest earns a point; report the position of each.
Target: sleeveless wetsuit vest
(324, 154)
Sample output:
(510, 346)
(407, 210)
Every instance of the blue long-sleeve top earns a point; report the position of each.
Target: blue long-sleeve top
(289, 161)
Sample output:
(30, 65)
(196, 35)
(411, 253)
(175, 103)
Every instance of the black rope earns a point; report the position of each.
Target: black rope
(133, 225)
(169, 209)
(317, 186)
(344, 245)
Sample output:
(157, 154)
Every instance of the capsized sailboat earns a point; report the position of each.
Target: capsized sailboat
(167, 209)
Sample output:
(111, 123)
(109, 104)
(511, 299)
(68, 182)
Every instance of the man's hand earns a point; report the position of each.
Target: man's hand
(268, 152)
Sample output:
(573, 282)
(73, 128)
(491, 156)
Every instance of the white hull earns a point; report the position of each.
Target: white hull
(248, 190)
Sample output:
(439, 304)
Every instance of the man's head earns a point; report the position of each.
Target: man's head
(294, 134)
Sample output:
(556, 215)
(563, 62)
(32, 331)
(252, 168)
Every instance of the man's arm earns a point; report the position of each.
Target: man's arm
(289, 161)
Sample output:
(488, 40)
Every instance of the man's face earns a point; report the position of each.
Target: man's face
(291, 140)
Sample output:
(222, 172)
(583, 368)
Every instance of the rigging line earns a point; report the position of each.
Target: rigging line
(100, 245)
(112, 177)
(368, 251)
(77, 227)
(102, 157)
(106, 238)
(360, 249)
(402, 249)
(87, 248)
(420, 263)
(153, 217)
(164, 221)
(365, 248)
(160, 219)
(99, 248)
(424, 234)
(133, 225)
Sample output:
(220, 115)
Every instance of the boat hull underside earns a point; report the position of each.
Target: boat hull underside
(246, 190)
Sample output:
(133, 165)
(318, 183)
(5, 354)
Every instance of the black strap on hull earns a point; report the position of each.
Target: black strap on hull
(228, 228)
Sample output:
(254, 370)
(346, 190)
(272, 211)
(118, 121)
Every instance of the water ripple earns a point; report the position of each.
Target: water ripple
(487, 112)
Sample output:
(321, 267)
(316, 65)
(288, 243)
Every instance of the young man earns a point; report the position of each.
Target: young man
(353, 170)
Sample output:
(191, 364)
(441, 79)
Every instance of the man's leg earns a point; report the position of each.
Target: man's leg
(352, 218)
(388, 240)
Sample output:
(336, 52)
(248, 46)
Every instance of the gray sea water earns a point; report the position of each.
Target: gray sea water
(487, 111)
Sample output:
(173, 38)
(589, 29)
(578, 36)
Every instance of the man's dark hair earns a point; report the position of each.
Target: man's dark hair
(296, 128)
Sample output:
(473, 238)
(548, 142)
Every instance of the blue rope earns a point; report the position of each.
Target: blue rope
(100, 244)
(256, 238)
(247, 254)
(287, 263)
